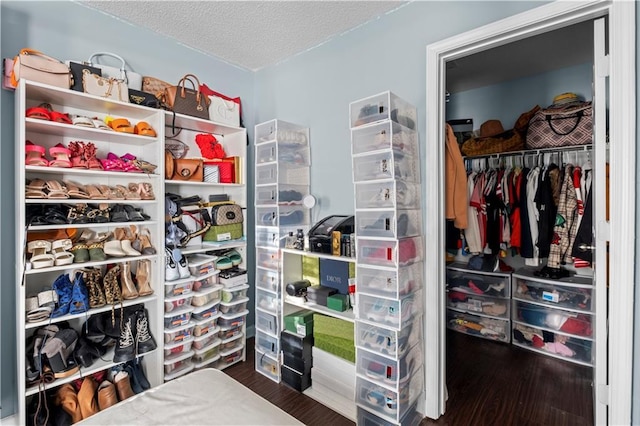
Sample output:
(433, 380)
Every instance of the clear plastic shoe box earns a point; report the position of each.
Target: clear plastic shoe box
(391, 343)
(391, 313)
(386, 165)
(267, 257)
(267, 238)
(391, 372)
(267, 322)
(284, 132)
(390, 193)
(383, 106)
(288, 155)
(391, 253)
(386, 135)
(267, 279)
(390, 282)
(268, 344)
(389, 223)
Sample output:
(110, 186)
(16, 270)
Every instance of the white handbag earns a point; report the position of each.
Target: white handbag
(224, 111)
(109, 88)
(132, 79)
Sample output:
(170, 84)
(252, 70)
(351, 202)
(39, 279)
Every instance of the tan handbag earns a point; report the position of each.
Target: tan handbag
(154, 86)
(186, 101)
(191, 169)
(35, 66)
(109, 88)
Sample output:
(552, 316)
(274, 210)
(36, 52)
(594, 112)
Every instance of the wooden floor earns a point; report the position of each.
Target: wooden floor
(489, 384)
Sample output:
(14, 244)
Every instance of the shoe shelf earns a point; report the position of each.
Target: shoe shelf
(205, 184)
(389, 258)
(282, 161)
(50, 164)
(202, 248)
(299, 302)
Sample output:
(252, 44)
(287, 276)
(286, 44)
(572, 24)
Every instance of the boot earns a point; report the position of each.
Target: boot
(126, 347)
(92, 279)
(143, 271)
(112, 291)
(136, 386)
(67, 398)
(138, 371)
(145, 341)
(128, 287)
(123, 385)
(107, 395)
(87, 397)
(63, 288)
(79, 295)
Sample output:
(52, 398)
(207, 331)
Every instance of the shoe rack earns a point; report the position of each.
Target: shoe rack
(85, 243)
(389, 260)
(282, 180)
(204, 317)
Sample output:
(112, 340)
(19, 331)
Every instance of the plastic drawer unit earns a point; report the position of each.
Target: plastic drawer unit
(575, 293)
(386, 135)
(386, 165)
(383, 106)
(411, 418)
(267, 301)
(267, 322)
(477, 282)
(391, 343)
(268, 258)
(557, 345)
(474, 303)
(267, 366)
(282, 131)
(474, 325)
(267, 238)
(392, 372)
(267, 280)
(385, 402)
(388, 223)
(390, 312)
(268, 344)
(390, 282)
(387, 194)
(390, 253)
(555, 320)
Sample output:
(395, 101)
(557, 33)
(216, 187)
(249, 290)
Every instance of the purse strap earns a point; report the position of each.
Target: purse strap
(38, 53)
(123, 72)
(578, 115)
(182, 83)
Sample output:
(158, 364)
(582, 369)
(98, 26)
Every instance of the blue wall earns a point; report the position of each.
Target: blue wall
(68, 30)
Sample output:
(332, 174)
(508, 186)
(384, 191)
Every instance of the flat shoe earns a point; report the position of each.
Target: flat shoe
(234, 256)
(121, 125)
(60, 252)
(56, 190)
(143, 128)
(80, 253)
(96, 252)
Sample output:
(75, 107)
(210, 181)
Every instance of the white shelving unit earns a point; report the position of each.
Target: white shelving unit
(389, 255)
(223, 351)
(31, 281)
(282, 180)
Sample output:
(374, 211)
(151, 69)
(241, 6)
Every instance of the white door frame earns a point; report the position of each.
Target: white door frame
(622, 156)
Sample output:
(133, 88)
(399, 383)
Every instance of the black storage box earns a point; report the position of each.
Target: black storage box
(294, 379)
(296, 345)
(320, 236)
(300, 365)
(318, 294)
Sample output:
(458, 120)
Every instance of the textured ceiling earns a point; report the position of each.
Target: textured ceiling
(249, 34)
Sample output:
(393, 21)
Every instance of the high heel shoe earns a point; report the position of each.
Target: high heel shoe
(143, 271)
(129, 290)
(92, 279)
(145, 242)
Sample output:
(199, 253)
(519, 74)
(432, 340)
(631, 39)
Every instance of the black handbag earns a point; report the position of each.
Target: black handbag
(139, 97)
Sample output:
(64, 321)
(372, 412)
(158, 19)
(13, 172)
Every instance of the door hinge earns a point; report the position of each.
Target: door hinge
(603, 66)
(604, 231)
(603, 394)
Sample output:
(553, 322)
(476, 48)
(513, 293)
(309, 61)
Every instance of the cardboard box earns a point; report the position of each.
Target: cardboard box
(338, 302)
(311, 269)
(300, 322)
(336, 274)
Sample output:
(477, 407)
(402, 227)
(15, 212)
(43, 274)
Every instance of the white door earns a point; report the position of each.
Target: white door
(614, 81)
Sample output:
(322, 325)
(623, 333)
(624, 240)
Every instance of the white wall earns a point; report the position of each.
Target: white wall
(68, 30)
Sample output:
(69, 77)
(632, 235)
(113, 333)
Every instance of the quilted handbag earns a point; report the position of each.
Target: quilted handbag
(186, 101)
(570, 124)
(191, 169)
(226, 214)
(109, 88)
(34, 65)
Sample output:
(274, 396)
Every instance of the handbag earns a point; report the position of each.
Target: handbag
(35, 66)
(76, 72)
(186, 101)
(570, 124)
(226, 214)
(154, 85)
(224, 111)
(190, 169)
(104, 87)
(133, 80)
(7, 69)
(142, 98)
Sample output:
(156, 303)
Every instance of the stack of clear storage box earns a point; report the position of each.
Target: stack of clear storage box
(282, 163)
(389, 259)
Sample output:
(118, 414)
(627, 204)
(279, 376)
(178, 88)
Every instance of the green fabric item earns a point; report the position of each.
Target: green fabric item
(224, 232)
(311, 269)
(329, 326)
(337, 346)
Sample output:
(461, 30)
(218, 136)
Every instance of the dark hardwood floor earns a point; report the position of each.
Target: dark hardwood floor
(489, 384)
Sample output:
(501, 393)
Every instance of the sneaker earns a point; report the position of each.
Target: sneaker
(126, 346)
(183, 267)
(171, 272)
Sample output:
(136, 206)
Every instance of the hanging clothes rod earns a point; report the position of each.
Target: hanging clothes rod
(532, 151)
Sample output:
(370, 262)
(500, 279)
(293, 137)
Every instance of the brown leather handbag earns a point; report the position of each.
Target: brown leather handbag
(182, 100)
(191, 169)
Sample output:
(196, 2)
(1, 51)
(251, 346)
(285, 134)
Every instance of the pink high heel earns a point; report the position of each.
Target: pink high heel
(61, 156)
(35, 155)
(112, 163)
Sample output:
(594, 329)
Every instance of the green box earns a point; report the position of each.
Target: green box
(337, 346)
(338, 302)
(300, 322)
(311, 269)
(330, 326)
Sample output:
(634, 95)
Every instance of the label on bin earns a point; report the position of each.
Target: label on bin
(550, 296)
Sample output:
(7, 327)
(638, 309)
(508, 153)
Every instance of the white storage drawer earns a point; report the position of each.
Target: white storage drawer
(267, 238)
(387, 194)
(386, 165)
(267, 322)
(267, 279)
(392, 283)
(385, 402)
(573, 323)
(267, 216)
(477, 282)
(575, 293)
(267, 366)
(384, 106)
(268, 257)
(411, 418)
(268, 344)
(293, 215)
(391, 253)
(389, 312)
(287, 133)
(284, 154)
(557, 345)
(266, 173)
(390, 223)
(392, 343)
(474, 303)
(384, 135)
(392, 372)
(267, 301)
(474, 325)
(267, 195)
